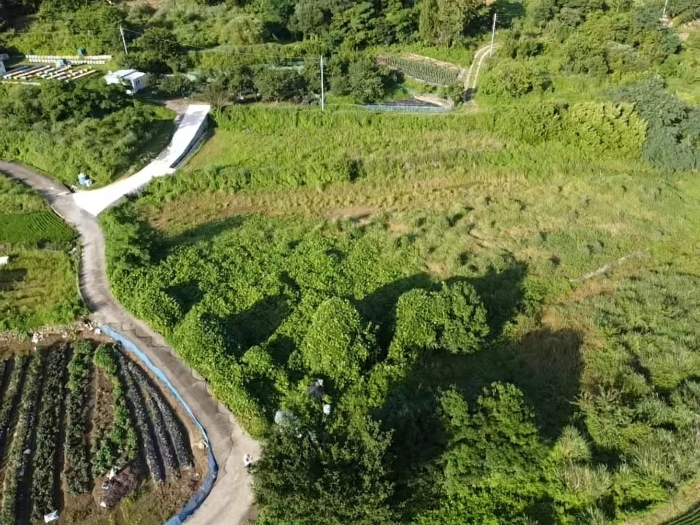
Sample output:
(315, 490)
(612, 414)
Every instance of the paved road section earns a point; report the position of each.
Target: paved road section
(231, 500)
(186, 134)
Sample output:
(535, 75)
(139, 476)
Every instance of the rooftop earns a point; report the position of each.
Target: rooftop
(126, 74)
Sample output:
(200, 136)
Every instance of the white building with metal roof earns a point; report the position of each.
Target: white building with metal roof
(128, 77)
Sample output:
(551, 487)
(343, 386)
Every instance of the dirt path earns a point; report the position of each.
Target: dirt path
(231, 500)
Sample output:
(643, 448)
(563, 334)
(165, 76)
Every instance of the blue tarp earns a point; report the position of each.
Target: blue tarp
(195, 501)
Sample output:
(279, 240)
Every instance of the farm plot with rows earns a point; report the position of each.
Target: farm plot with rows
(422, 70)
(38, 280)
(87, 433)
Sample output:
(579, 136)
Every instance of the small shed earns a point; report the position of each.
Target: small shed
(131, 78)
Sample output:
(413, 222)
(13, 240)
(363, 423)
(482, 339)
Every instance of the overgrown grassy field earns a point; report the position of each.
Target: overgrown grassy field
(38, 287)
(582, 256)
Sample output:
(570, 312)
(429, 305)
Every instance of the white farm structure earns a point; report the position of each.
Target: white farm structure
(132, 79)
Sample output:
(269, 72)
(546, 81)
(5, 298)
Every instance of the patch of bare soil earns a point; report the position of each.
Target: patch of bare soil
(357, 212)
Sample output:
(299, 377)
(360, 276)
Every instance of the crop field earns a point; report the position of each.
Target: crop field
(73, 412)
(424, 71)
(34, 227)
(39, 285)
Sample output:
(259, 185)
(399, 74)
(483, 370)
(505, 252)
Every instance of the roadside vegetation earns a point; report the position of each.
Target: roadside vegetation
(65, 128)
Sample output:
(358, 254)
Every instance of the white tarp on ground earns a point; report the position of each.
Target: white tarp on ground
(96, 201)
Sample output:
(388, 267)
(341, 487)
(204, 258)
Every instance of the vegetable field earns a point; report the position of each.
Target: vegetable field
(34, 227)
(423, 70)
(51, 439)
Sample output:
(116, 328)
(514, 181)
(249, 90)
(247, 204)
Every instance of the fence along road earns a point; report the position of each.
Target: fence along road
(231, 500)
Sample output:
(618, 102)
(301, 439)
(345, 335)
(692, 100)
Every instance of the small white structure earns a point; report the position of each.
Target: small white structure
(128, 77)
(4, 260)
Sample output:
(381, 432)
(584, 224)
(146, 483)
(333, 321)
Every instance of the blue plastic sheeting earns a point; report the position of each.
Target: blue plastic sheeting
(195, 501)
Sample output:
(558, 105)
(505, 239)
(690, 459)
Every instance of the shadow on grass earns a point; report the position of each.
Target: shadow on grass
(546, 366)
(205, 232)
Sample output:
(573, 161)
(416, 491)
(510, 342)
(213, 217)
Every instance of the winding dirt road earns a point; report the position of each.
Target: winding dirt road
(231, 500)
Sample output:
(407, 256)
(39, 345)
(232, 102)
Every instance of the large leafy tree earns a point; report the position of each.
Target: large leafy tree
(336, 345)
(452, 319)
(493, 459)
(320, 473)
(446, 22)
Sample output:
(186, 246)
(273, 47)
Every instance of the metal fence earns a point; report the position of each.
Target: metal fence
(407, 108)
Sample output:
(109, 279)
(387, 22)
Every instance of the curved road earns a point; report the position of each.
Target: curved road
(231, 500)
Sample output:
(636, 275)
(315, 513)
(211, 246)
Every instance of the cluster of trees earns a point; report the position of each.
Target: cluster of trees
(619, 41)
(673, 139)
(70, 127)
(358, 77)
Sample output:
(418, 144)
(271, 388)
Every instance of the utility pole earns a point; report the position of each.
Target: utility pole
(493, 34)
(323, 94)
(121, 32)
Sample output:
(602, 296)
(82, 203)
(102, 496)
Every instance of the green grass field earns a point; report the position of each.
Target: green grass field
(574, 255)
(39, 285)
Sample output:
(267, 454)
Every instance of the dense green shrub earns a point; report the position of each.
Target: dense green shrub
(605, 128)
(673, 135)
(508, 78)
(453, 319)
(335, 345)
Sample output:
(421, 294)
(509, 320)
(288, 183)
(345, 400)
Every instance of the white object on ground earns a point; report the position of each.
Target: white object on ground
(112, 473)
(48, 518)
(5, 259)
(98, 331)
(247, 460)
(96, 201)
(327, 409)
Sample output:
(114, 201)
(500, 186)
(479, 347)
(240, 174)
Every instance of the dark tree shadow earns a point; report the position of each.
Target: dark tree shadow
(10, 278)
(501, 292)
(256, 324)
(187, 294)
(280, 348)
(547, 367)
(379, 307)
(205, 232)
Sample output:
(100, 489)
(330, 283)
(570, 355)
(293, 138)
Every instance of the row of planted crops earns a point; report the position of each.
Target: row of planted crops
(51, 442)
(422, 70)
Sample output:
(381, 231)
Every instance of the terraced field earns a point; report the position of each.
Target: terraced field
(82, 427)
